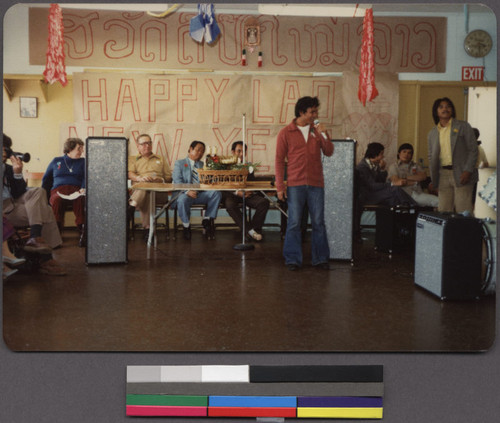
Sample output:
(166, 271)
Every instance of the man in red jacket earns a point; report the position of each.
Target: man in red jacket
(299, 145)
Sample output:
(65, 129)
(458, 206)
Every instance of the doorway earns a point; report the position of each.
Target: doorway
(482, 114)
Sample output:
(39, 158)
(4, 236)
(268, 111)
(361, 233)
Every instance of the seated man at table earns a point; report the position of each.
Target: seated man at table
(185, 173)
(232, 202)
(146, 167)
(410, 174)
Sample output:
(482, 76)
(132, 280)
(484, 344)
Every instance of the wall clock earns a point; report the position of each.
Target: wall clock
(478, 43)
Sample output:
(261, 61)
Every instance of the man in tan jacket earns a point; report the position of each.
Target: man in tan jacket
(146, 167)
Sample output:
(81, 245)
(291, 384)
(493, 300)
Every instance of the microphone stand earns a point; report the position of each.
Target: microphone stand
(243, 246)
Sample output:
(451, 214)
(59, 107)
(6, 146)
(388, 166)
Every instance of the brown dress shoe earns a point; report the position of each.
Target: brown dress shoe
(52, 268)
(37, 245)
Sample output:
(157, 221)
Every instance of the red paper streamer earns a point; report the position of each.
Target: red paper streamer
(55, 69)
(367, 89)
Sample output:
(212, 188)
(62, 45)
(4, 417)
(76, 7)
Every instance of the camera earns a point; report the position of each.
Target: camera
(25, 157)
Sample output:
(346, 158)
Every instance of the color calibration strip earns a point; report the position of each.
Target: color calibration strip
(256, 391)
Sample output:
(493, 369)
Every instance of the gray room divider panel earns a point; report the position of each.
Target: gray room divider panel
(338, 171)
(106, 200)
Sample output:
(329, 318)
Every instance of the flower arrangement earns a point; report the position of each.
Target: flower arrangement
(227, 171)
(216, 162)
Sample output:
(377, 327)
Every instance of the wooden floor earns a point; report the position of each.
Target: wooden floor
(205, 296)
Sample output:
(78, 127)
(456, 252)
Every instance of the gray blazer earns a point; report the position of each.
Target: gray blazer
(463, 151)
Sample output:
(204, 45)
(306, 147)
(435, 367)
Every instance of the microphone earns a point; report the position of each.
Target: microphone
(315, 124)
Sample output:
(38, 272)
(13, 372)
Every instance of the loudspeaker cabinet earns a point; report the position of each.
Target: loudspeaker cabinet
(106, 200)
(448, 254)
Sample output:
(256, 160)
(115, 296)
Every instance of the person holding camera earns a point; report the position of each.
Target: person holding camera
(29, 207)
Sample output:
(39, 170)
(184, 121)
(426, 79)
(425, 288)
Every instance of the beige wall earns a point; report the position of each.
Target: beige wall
(38, 136)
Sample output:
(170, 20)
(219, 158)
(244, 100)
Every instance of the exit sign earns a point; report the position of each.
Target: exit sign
(472, 73)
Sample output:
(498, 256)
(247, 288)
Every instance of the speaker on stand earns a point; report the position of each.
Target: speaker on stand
(106, 200)
(448, 255)
(338, 172)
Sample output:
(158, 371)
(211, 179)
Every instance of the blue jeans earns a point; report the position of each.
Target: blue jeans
(210, 198)
(298, 197)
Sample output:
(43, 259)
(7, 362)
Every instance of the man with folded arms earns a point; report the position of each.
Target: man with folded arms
(410, 174)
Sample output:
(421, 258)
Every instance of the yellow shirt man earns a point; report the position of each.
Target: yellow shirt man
(445, 144)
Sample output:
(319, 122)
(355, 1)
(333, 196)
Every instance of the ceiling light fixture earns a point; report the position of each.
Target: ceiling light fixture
(167, 12)
(329, 10)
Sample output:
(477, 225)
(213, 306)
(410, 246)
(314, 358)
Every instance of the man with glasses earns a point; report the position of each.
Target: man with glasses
(146, 167)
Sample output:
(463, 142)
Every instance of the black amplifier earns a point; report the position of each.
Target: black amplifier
(448, 255)
(395, 228)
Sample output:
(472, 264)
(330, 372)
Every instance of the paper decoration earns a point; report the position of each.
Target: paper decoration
(367, 89)
(197, 28)
(244, 58)
(55, 69)
(212, 30)
(252, 34)
(259, 61)
(204, 26)
(91, 43)
(489, 192)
